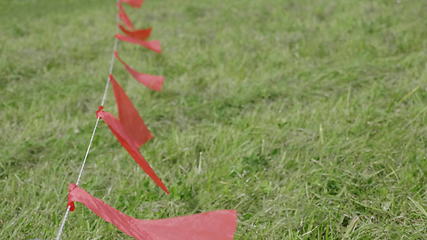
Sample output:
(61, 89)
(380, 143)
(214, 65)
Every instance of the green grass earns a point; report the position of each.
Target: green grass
(308, 117)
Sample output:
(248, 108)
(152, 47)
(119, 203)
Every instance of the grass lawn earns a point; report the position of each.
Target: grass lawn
(308, 117)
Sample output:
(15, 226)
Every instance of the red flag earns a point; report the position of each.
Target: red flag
(123, 16)
(141, 34)
(119, 131)
(153, 82)
(133, 3)
(131, 121)
(152, 45)
(215, 225)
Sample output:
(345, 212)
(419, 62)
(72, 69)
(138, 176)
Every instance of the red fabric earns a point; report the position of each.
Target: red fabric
(152, 45)
(141, 34)
(118, 130)
(123, 16)
(131, 121)
(153, 82)
(215, 225)
(133, 3)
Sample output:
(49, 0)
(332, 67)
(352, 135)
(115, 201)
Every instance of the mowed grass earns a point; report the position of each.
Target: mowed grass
(308, 117)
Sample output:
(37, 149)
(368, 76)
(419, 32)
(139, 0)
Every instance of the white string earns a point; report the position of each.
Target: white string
(104, 96)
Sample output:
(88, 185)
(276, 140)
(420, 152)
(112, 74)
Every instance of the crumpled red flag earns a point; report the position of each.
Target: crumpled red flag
(153, 45)
(215, 225)
(153, 82)
(128, 143)
(124, 17)
(133, 3)
(140, 34)
(132, 122)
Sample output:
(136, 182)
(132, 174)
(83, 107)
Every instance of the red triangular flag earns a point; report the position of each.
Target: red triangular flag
(131, 121)
(123, 16)
(215, 225)
(152, 45)
(133, 3)
(153, 82)
(141, 34)
(119, 131)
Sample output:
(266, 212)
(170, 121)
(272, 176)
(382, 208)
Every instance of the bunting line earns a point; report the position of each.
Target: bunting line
(104, 97)
(131, 132)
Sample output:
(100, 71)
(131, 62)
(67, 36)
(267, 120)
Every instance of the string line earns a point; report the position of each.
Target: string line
(104, 97)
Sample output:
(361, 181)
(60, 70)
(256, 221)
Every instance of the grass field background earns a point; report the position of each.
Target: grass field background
(308, 117)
